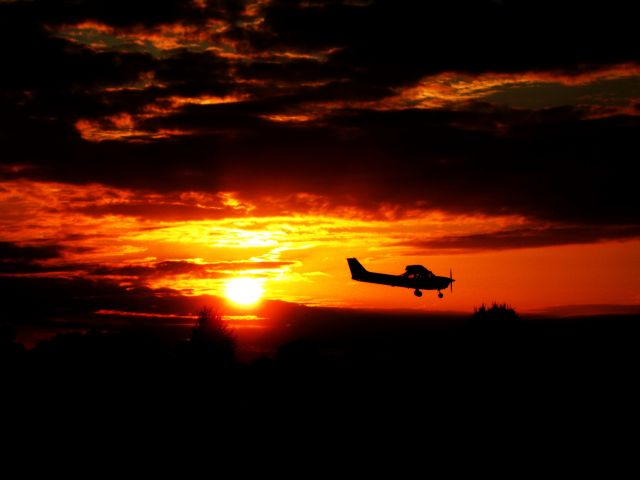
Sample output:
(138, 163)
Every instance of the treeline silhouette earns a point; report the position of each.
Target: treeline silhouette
(492, 363)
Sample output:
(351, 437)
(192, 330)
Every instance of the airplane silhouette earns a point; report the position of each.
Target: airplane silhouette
(415, 276)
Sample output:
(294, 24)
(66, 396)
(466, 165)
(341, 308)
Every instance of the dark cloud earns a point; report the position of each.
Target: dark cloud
(161, 211)
(123, 13)
(552, 165)
(559, 165)
(35, 60)
(187, 73)
(13, 251)
(290, 73)
(18, 259)
(394, 42)
(525, 238)
(172, 268)
(80, 298)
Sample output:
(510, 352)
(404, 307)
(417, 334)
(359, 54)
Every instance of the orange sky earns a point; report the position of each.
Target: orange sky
(157, 153)
(301, 258)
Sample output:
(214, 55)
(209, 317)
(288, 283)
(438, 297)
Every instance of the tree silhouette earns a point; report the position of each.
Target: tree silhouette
(212, 339)
(496, 314)
(499, 319)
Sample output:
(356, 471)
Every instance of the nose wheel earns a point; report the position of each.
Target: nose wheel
(417, 293)
(440, 295)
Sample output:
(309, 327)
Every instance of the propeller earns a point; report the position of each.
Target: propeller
(452, 280)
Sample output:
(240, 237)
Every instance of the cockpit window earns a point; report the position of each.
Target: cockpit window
(418, 275)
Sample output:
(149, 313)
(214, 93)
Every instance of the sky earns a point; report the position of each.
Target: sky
(154, 151)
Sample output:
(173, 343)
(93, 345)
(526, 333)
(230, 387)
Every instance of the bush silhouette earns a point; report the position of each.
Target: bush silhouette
(211, 338)
(497, 314)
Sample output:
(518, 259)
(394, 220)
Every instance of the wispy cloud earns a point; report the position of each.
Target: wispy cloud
(451, 89)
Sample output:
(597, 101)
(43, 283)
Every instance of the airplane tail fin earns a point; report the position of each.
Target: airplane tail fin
(357, 270)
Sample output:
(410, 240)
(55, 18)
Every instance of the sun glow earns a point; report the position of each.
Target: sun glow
(244, 291)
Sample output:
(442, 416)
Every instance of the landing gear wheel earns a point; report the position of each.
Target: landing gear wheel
(417, 293)
(440, 295)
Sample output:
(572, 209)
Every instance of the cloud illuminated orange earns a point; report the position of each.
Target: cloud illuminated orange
(124, 126)
(163, 39)
(444, 89)
(100, 36)
(299, 257)
(152, 154)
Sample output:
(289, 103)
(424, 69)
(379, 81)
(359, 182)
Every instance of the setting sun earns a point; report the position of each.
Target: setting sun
(244, 291)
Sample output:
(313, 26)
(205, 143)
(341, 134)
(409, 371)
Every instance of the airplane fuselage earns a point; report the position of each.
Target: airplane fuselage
(416, 277)
(434, 283)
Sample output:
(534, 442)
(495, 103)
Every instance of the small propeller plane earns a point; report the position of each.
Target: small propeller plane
(416, 277)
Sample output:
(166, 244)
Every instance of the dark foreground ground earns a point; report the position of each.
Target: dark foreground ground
(566, 382)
